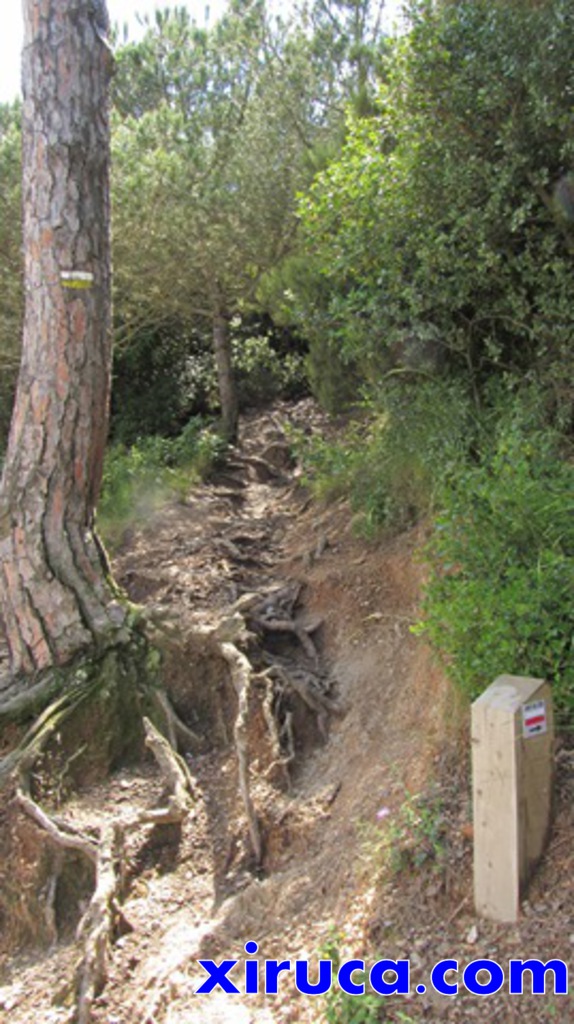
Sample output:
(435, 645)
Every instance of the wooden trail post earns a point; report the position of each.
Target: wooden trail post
(512, 768)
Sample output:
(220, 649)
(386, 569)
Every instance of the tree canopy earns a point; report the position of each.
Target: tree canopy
(215, 132)
(442, 221)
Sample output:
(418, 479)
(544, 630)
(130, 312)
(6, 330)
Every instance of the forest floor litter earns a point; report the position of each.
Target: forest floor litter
(362, 801)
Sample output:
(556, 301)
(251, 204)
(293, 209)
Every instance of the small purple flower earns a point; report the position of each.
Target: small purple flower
(383, 813)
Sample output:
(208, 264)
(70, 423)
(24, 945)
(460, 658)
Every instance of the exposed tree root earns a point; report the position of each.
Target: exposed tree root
(281, 737)
(180, 736)
(63, 834)
(306, 684)
(17, 704)
(265, 684)
(115, 680)
(105, 690)
(98, 925)
(249, 622)
(274, 612)
(241, 676)
(97, 928)
(45, 725)
(176, 774)
(273, 625)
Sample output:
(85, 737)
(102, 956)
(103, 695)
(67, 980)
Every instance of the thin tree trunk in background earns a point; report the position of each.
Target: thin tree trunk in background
(225, 377)
(55, 594)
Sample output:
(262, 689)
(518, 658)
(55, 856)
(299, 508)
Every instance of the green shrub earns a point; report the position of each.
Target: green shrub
(499, 594)
(334, 380)
(394, 462)
(448, 213)
(343, 1008)
(498, 597)
(263, 374)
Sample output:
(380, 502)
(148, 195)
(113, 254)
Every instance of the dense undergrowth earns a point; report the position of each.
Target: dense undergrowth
(395, 455)
(496, 487)
(501, 558)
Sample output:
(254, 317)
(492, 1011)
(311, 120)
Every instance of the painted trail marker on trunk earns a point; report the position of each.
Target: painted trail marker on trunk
(512, 768)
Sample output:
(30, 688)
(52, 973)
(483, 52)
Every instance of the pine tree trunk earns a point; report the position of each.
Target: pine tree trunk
(225, 377)
(55, 593)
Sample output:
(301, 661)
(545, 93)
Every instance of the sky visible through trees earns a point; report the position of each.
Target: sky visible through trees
(121, 12)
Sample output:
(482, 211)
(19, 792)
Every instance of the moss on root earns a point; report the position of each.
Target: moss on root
(90, 725)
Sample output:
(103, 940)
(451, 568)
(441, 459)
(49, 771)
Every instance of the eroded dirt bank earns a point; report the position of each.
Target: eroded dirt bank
(328, 799)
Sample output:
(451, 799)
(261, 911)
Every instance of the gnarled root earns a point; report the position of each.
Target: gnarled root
(241, 676)
(98, 925)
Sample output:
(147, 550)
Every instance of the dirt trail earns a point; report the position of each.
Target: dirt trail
(397, 733)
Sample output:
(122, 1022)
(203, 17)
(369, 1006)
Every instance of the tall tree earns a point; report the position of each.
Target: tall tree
(208, 152)
(56, 596)
(10, 258)
(347, 46)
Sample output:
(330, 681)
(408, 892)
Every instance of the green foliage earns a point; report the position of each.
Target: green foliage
(409, 838)
(296, 294)
(210, 139)
(206, 150)
(447, 219)
(140, 478)
(342, 1008)
(393, 465)
(156, 70)
(347, 48)
(499, 595)
(263, 374)
(333, 379)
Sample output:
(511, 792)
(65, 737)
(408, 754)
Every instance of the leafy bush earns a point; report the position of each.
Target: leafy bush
(334, 380)
(393, 464)
(263, 374)
(298, 294)
(498, 597)
(501, 557)
(449, 213)
(343, 1008)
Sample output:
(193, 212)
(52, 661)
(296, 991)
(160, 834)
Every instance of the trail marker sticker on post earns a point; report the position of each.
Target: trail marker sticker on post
(512, 777)
(534, 721)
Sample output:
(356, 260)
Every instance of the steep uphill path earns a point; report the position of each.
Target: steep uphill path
(363, 810)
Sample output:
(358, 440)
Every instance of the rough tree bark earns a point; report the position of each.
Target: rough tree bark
(56, 596)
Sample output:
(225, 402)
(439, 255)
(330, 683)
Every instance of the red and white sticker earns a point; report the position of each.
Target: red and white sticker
(534, 721)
